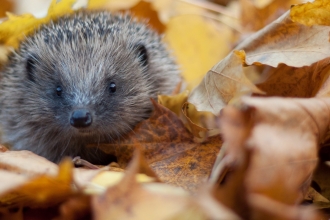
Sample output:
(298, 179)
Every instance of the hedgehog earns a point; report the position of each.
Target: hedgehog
(85, 78)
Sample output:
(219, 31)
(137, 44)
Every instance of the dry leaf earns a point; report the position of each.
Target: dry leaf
(26, 164)
(129, 200)
(6, 5)
(313, 195)
(39, 192)
(285, 41)
(256, 14)
(304, 82)
(200, 124)
(267, 208)
(284, 145)
(169, 148)
(221, 84)
(112, 5)
(174, 102)
(16, 28)
(213, 208)
(144, 11)
(312, 13)
(76, 208)
(197, 45)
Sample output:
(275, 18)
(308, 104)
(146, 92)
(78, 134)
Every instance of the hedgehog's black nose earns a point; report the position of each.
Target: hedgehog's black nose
(81, 118)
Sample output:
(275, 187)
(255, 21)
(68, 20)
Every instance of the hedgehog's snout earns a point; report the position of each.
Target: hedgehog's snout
(81, 118)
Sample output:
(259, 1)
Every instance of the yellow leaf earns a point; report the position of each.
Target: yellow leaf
(40, 192)
(197, 44)
(16, 28)
(174, 102)
(221, 84)
(312, 13)
(112, 5)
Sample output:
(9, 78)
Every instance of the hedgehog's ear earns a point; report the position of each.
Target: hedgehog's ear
(30, 66)
(141, 52)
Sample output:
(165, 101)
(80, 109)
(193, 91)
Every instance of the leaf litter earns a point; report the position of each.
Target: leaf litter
(262, 164)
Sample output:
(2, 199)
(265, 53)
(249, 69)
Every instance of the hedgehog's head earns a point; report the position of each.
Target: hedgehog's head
(89, 77)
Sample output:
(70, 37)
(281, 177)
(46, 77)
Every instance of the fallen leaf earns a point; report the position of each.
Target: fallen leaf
(303, 82)
(76, 208)
(257, 14)
(287, 42)
(144, 11)
(169, 148)
(26, 164)
(112, 5)
(128, 199)
(212, 207)
(267, 208)
(284, 146)
(314, 196)
(16, 28)
(200, 124)
(174, 102)
(194, 53)
(6, 5)
(311, 13)
(39, 192)
(225, 80)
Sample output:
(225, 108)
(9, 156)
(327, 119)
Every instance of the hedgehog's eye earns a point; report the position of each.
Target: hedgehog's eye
(112, 87)
(58, 90)
(142, 54)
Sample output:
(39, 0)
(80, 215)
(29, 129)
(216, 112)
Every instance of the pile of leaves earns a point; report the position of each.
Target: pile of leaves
(246, 140)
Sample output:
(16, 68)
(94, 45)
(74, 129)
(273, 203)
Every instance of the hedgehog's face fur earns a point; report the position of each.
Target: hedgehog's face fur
(84, 79)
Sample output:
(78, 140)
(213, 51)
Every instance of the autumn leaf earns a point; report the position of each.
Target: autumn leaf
(271, 145)
(26, 163)
(287, 42)
(304, 82)
(221, 84)
(280, 168)
(16, 28)
(112, 5)
(200, 124)
(128, 199)
(257, 14)
(169, 148)
(39, 192)
(5, 7)
(195, 55)
(267, 208)
(144, 11)
(311, 13)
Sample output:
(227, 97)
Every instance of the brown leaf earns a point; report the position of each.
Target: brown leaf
(304, 82)
(26, 163)
(231, 168)
(169, 148)
(129, 200)
(144, 10)
(200, 124)
(39, 192)
(3, 148)
(267, 208)
(6, 5)
(284, 145)
(225, 80)
(255, 16)
(314, 196)
(287, 42)
(76, 208)
(212, 207)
